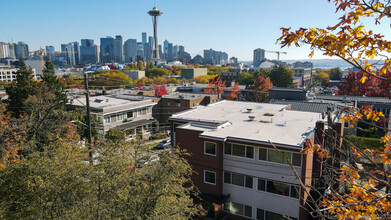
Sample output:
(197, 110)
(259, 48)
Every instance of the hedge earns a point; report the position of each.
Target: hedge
(363, 142)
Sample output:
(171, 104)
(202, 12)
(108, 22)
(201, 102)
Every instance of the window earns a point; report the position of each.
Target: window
(113, 118)
(107, 119)
(129, 114)
(178, 104)
(268, 215)
(139, 111)
(227, 148)
(262, 154)
(295, 191)
(209, 177)
(210, 148)
(239, 150)
(227, 177)
(260, 214)
(144, 111)
(279, 156)
(249, 182)
(275, 156)
(119, 117)
(296, 159)
(238, 209)
(249, 152)
(248, 211)
(277, 188)
(168, 104)
(238, 179)
(261, 184)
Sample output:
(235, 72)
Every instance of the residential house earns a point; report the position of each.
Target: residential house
(130, 113)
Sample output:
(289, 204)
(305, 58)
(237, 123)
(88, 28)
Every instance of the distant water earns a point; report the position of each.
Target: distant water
(331, 67)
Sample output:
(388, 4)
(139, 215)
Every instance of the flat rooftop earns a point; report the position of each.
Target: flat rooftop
(271, 122)
(111, 104)
(186, 96)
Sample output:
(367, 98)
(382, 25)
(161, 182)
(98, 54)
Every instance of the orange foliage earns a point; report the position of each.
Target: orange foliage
(216, 86)
(234, 92)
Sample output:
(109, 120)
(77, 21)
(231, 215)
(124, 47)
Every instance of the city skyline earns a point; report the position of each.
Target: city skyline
(237, 28)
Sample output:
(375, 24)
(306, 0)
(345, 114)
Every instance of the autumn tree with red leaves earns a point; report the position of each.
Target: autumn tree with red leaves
(160, 89)
(260, 89)
(234, 92)
(216, 86)
(372, 87)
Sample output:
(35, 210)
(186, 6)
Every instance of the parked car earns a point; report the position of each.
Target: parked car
(164, 144)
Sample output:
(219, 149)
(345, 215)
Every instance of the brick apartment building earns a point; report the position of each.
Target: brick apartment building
(178, 102)
(238, 170)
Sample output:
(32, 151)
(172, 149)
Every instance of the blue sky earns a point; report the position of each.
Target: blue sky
(234, 26)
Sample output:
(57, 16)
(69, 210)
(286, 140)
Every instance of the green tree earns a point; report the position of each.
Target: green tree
(53, 83)
(140, 65)
(323, 78)
(157, 72)
(282, 76)
(335, 73)
(246, 78)
(150, 65)
(115, 135)
(122, 182)
(20, 90)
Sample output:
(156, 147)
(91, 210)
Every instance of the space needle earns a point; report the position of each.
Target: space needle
(155, 13)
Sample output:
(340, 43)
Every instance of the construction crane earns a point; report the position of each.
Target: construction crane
(277, 52)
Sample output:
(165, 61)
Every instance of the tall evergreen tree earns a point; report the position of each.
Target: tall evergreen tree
(53, 83)
(19, 91)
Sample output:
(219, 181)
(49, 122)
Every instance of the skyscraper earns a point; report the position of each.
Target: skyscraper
(106, 50)
(151, 45)
(130, 50)
(143, 37)
(118, 49)
(175, 50)
(88, 52)
(73, 53)
(22, 50)
(215, 57)
(7, 50)
(140, 51)
(169, 52)
(165, 48)
(259, 55)
(50, 49)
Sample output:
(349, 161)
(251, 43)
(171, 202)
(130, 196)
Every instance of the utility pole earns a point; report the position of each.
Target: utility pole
(88, 116)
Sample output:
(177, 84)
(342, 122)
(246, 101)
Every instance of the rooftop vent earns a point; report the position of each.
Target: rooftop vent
(181, 96)
(98, 100)
(268, 114)
(249, 110)
(251, 118)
